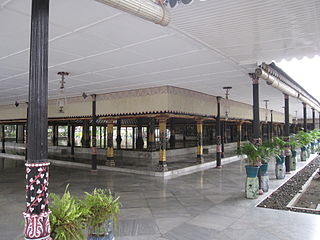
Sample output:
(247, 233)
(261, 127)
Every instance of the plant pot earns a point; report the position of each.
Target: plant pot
(293, 160)
(303, 154)
(106, 235)
(252, 171)
(308, 151)
(280, 159)
(264, 169)
(312, 148)
(101, 237)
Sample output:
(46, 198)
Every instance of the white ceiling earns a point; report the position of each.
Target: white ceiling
(208, 45)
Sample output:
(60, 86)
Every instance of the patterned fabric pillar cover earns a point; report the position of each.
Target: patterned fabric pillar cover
(36, 216)
(162, 166)
(110, 153)
(200, 140)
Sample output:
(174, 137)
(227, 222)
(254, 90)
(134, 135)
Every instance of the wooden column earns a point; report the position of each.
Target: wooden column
(218, 134)
(69, 136)
(256, 109)
(151, 133)
(55, 133)
(199, 140)
(140, 142)
(73, 128)
(305, 128)
(110, 151)
(239, 133)
(162, 166)
(94, 134)
(119, 139)
(20, 133)
(287, 132)
(313, 119)
(271, 124)
(36, 216)
(3, 139)
(85, 134)
(223, 137)
(172, 139)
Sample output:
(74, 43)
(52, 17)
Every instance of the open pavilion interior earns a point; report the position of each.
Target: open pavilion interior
(144, 99)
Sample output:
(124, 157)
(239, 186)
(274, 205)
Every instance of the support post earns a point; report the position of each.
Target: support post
(172, 139)
(119, 139)
(69, 136)
(162, 166)
(140, 143)
(239, 134)
(85, 141)
(104, 137)
(37, 213)
(55, 134)
(271, 124)
(256, 117)
(20, 133)
(94, 134)
(73, 128)
(256, 121)
(151, 138)
(218, 134)
(3, 139)
(287, 132)
(313, 119)
(110, 152)
(305, 117)
(223, 137)
(200, 140)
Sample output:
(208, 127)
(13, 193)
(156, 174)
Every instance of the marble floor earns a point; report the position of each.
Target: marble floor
(205, 205)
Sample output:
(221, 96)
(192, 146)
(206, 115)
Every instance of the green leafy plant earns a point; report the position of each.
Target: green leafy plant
(279, 145)
(67, 217)
(303, 138)
(252, 152)
(266, 150)
(101, 206)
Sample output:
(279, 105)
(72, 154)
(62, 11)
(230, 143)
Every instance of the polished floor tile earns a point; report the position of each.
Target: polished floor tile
(207, 205)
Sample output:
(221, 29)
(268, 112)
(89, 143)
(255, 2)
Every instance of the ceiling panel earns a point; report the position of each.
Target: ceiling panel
(208, 45)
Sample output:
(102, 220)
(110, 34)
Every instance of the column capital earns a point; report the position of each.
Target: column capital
(254, 77)
(199, 120)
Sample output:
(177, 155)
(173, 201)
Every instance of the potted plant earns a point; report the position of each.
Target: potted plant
(280, 148)
(314, 135)
(253, 159)
(294, 144)
(303, 138)
(67, 217)
(102, 214)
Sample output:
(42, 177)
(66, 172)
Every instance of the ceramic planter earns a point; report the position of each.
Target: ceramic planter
(293, 160)
(303, 154)
(312, 148)
(264, 177)
(280, 168)
(108, 235)
(252, 182)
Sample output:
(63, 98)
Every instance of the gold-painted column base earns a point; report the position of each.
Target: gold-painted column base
(162, 167)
